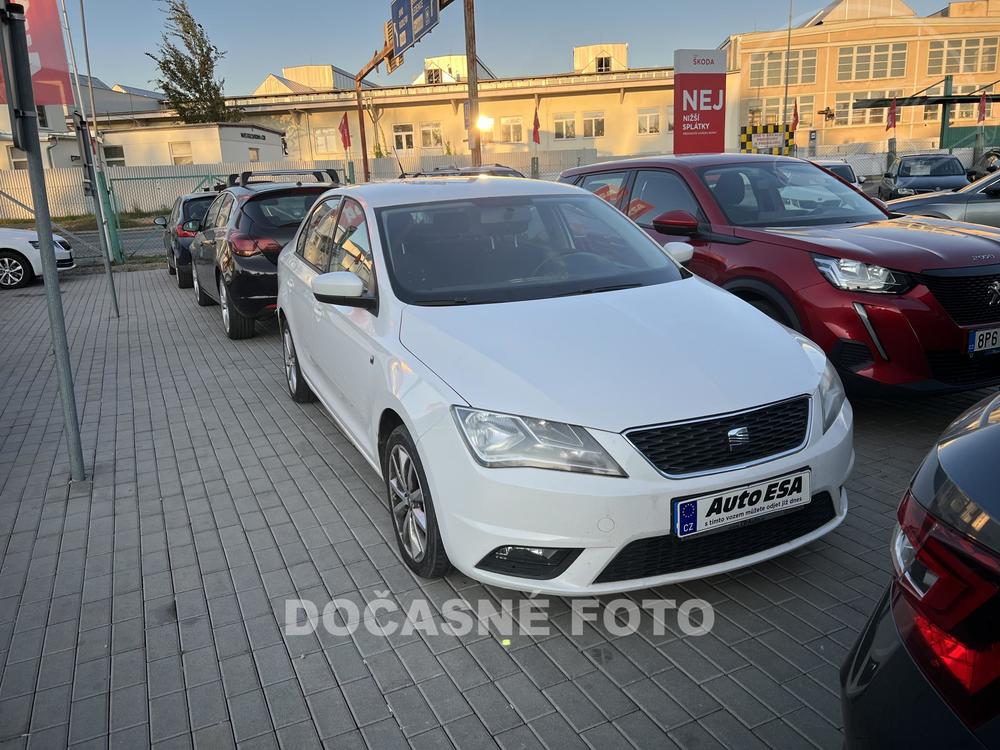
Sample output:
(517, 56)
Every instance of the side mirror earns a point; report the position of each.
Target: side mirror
(191, 226)
(681, 252)
(342, 288)
(160, 221)
(676, 223)
(862, 179)
(970, 176)
(888, 175)
(993, 191)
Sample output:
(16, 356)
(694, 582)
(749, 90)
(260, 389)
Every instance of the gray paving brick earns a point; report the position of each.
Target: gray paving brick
(330, 713)
(249, 715)
(51, 707)
(168, 716)
(660, 707)
(445, 700)
(129, 707)
(88, 718)
(366, 701)
(554, 732)
(524, 696)
(469, 732)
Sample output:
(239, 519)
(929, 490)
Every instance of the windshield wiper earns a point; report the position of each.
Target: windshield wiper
(597, 289)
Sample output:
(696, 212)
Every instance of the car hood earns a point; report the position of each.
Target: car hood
(932, 183)
(613, 360)
(939, 196)
(910, 243)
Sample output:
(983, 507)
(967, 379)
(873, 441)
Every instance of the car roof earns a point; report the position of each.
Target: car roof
(433, 189)
(201, 194)
(685, 160)
(254, 188)
(824, 162)
(925, 156)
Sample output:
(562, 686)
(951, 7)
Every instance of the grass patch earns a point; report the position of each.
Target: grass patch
(88, 222)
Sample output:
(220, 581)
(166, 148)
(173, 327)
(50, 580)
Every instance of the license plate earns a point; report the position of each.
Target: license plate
(696, 515)
(985, 340)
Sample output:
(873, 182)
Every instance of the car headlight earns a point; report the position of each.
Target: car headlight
(504, 440)
(905, 191)
(855, 276)
(831, 395)
(830, 392)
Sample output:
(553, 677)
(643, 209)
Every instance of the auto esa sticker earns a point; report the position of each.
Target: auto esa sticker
(695, 515)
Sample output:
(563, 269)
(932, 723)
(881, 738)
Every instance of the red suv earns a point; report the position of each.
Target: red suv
(907, 302)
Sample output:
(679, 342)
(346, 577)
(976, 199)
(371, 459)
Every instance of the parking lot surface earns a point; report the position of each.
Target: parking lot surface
(147, 606)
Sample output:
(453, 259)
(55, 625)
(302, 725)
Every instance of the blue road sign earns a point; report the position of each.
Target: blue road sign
(411, 20)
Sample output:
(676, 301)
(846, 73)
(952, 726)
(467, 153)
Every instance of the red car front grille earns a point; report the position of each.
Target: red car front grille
(969, 300)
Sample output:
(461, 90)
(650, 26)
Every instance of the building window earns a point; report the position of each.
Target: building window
(180, 152)
(593, 124)
(432, 75)
(564, 127)
(649, 122)
(846, 114)
(768, 111)
(511, 130)
(603, 64)
(871, 61)
(114, 156)
(962, 56)
(430, 135)
(18, 159)
(670, 119)
(328, 140)
(253, 153)
(768, 68)
(969, 111)
(402, 137)
(43, 118)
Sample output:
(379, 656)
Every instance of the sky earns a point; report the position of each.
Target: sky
(514, 37)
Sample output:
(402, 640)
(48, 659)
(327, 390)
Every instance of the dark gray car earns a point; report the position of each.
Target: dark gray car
(177, 240)
(978, 203)
(915, 174)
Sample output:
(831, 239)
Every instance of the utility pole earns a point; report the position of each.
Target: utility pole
(24, 127)
(788, 54)
(472, 63)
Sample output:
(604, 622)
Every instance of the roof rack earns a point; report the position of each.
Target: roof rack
(452, 171)
(322, 175)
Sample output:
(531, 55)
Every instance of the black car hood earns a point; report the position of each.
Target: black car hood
(957, 481)
(910, 243)
(932, 183)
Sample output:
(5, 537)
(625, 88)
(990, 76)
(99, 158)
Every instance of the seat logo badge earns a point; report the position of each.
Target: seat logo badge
(739, 437)
(994, 291)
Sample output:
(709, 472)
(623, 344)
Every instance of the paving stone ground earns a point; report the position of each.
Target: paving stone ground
(145, 606)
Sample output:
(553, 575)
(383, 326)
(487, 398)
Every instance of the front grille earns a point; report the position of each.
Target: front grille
(966, 298)
(661, 555)
(64, 262)
(694, 447)
(956, 368)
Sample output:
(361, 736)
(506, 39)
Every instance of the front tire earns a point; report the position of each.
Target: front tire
(184, 277)
(298, 389)
(412, 508)
(236, 325)
(171, 269)
(15, 271)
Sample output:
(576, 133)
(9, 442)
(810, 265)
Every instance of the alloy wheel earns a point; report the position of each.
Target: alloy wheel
(194, 280)
(291, 368)
(407, 499)
(224, 302)
(11, 272)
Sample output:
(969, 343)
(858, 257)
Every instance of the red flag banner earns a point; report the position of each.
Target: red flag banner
(795, 117)
(890, 118)
(981, 116)
(345, 132)
(536, 134)
(46, 53)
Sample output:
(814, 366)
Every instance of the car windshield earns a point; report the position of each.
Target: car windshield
(785, 194)
(843, 171)
(282, 209)
(507, 249)
(930, 166)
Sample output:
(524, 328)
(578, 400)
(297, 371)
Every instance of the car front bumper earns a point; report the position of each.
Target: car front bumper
(480, 509)
(912, 342)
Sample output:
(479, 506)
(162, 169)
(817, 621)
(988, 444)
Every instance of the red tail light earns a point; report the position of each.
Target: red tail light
(185, 233)
(246, 246)
(947, 607)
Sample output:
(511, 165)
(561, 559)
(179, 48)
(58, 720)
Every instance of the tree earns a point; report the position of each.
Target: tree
(187, 60)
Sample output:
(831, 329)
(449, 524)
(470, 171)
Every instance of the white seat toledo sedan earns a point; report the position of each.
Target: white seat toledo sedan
(553, 402)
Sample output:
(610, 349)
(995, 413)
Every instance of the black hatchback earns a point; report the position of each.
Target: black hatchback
(914, 174)
(925, 670)
(235, 252)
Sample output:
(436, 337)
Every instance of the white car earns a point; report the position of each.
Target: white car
(553, 402)
(20, 261)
